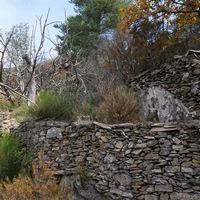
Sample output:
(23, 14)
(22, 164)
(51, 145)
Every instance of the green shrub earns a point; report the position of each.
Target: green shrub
(13, 160)
(9, 156)
(118, 106)
(54, 105)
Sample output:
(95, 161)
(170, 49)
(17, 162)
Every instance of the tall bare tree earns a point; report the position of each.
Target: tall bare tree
(21, 56)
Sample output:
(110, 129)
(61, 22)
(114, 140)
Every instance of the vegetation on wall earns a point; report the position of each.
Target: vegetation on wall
(42, 185)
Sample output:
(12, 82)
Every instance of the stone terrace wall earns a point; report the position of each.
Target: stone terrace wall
(125, 161)
(181, 78)
(6, 122)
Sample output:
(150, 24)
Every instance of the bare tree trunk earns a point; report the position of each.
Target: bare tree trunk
(31, 90)
(31, 85)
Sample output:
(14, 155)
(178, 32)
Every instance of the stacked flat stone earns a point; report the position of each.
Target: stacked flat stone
(180, 77)
(124, 161)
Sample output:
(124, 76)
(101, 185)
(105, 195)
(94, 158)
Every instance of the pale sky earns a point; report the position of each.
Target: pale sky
(13, 12)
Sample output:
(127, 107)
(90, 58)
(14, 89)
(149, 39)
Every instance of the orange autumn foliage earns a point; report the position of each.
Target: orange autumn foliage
(160, 29)
(43, 185)
(181, 14)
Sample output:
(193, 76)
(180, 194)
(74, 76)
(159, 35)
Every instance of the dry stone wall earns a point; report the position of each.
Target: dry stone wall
(124, 161)
(172, 89)
(6, 122)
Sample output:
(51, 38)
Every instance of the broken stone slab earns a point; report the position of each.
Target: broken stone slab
(157, 124)
(122, 125)
(81, 123)
(102, 125)
(170, 126)
(163, 129)
(166, 124)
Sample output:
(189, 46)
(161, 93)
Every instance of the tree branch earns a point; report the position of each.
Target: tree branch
(11, 89)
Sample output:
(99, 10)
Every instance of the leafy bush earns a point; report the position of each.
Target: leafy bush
(43, 185)
(54, 105)
(9, 157)
(118, 106)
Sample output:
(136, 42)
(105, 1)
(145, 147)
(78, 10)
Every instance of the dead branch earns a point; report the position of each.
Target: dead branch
(192, 51)
(5, 46)
(11, 89)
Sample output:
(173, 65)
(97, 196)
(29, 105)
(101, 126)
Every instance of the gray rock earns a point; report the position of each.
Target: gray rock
(140, 146)
(178, 147)
(176, 140)
(123, 179)
(137, 152)
(54, 133)
(196, 72)
(152, 156)
(109, 158)
(187, 170)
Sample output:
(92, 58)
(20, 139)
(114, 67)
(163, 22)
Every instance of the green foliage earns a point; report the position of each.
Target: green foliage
(75, 37)
(98, 13)
(54, 105)
(10, 157)
(94, 18)
(118, 106)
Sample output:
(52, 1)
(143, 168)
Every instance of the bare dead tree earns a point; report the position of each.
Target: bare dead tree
(31, 61)
(4, 45)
